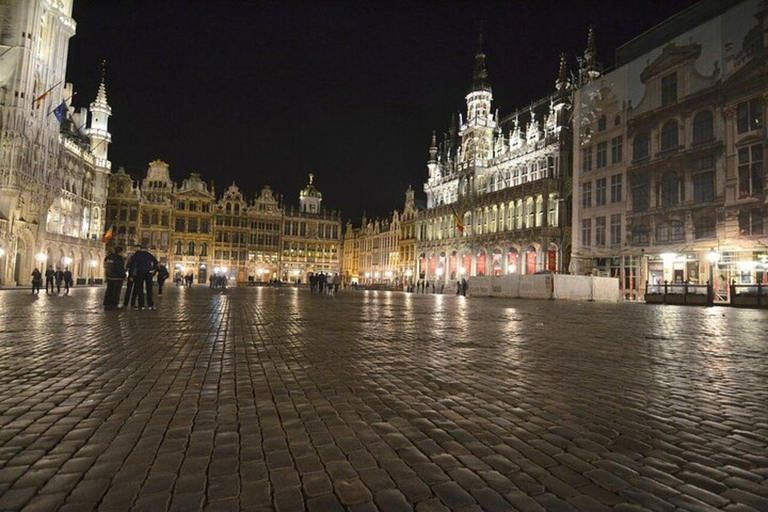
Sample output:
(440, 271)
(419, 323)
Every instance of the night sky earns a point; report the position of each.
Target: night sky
(264, 93)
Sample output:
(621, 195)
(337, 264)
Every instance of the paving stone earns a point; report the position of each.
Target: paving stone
(233, 400)
(391, 500)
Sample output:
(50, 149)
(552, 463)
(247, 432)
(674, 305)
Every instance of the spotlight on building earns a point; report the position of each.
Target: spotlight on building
(94, 263)
(388, 273)
(439, 272)
(668, 257)
(66, 260)
(224, 269)
(41, 257)
(462, 270)
(2, 252)
(713, 256)
(408, 273)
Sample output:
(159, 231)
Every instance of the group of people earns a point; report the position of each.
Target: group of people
(141, 269)
(52, 277)
(187, 280)
(423, 286)
(323, 283)
(218, 280)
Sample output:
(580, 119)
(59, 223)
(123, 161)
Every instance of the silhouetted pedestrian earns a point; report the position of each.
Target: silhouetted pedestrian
(162, 275)
(142, 266)
(67, 280)
(49, 277)
(114, 271)
(59, 279)
(37, 281)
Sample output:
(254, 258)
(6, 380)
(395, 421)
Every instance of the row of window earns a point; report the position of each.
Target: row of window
(600, 231)
(601, 154)
(192, 225)
(670, 189)
(601, 191)
(520, 214)
(191, 249)
(673, 231)
(193, 206)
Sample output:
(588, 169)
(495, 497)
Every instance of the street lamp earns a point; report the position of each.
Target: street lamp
(713, 257)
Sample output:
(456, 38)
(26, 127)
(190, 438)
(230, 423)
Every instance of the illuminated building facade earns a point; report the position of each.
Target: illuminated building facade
(684, 202)
(54, 165)
(506, 180)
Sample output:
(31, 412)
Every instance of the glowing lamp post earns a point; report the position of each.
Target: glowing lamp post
(713, 257)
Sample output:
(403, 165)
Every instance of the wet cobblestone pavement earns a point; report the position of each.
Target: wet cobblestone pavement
(265, 399)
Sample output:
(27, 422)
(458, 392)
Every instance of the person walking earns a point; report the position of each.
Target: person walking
(59, 279)
(458, 287)
(162, 275)
(49, 276)
(114, 270)
(142, 266)
(37, 281)
(67, 280)
(336, 283)
(464, 287)
(321, 283)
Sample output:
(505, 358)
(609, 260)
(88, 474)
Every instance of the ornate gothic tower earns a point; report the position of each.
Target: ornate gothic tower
(99, 129)
(477, 132)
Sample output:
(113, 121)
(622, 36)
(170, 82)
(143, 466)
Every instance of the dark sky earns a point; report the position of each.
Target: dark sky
(264, 93)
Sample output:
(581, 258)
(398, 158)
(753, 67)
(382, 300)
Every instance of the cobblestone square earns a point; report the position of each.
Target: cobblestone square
(274, 399)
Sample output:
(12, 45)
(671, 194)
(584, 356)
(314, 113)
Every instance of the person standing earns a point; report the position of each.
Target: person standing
(130, 295)
(142, 267)
(321, 283)
(162, 275)
(114, 270)
(67, 280)
(37, 281)
(49, 276)
(336, 283)
(464, 287)
(59, 279)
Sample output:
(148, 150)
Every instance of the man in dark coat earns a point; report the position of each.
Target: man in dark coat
(142, 266)
(67, 280)
(59, 279)
(162, 275)
(49, 276)
(114, 270)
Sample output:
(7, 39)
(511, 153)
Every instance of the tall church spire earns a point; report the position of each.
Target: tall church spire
(480, 80)
(99, 127)
(591, 68)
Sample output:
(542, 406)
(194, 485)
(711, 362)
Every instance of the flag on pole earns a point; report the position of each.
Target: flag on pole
(60, 111)
(36, 102)
(457, 221)
(109, 234)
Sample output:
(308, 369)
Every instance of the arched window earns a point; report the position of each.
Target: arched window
(237, 209)
(670, 189)
(191, 248)
(229, 208)
(704, 227)
(617, 120)
(702, 126)
(669, 136)
(178, 247)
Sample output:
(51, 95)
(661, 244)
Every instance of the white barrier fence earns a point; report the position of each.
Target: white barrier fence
(546, 286)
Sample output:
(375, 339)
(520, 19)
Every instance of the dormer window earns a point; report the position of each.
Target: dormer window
(669, 89)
